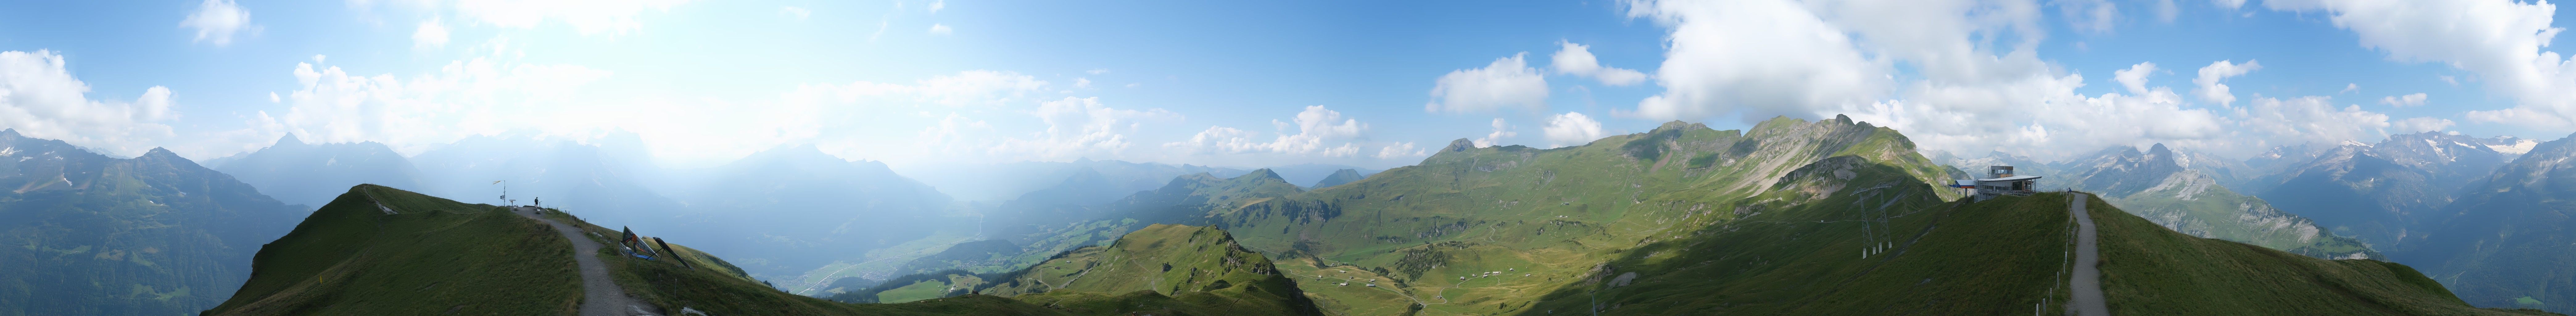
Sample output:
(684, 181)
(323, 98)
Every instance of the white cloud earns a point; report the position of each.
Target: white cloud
(1081, 82)
(217, 20)
(1501, 131)
(795, 13)
(938, 4)
(1576, 59)
(40, 98)
(2500, 41)
(1316, 127)
(2404, 101)
(477, 96)
(1978, 83)
(1571, 129)
(1757, 58)
(1097, 71)
(1508, 83)
(2211, 89)
(2349, 88)
(2421, 124)
(429, 35)
(1081, 127)
(1400, 150)
(2134, 78)
(940, 29)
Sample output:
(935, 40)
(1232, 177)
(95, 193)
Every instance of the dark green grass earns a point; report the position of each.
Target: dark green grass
(1989, 258)
(436, 256)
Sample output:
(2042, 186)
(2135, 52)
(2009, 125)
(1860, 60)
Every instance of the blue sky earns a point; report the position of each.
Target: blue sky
(921, 83)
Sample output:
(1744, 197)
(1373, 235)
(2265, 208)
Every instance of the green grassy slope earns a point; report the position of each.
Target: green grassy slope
(1843, 237)
(1556, 212)
(1196, 267)
(436, 256)
(433, 256)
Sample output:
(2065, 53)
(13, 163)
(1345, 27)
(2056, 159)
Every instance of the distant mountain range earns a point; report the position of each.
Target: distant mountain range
(312, 174)
(2474, 212)
(87, 234)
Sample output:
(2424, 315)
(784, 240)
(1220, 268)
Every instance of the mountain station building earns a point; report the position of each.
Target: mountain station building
(2000, 180)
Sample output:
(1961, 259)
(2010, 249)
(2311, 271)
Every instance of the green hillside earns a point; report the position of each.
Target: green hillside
(378, 250)
(436, 255)
(87, 234)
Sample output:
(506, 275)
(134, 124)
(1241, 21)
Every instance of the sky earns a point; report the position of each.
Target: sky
(918, 84)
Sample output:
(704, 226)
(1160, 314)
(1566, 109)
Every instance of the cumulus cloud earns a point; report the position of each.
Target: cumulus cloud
(2211, 89)
(430, 34)
(1317, 128)
(1501, 131)
(2349, 88)
(1978, 84)
(1757, 58)
(2135, 78)
(2500, 41)
(2404, 100)
(463, 98)
(936, 5)
(1571, 129)
(1081, 127)
(217, 20)
(1577, 59)
(1508, 83)
(1400, 150)
(941, 29)
(40, 98)
(2421, 124)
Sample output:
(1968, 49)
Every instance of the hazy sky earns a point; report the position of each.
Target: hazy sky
(1231, 83)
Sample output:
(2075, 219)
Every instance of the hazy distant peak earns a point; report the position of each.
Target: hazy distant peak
(288, 140)
(9, 132)
(1263, 173)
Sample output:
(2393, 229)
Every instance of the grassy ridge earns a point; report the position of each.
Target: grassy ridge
(1821, 251)
(432, 256)
(436, 256)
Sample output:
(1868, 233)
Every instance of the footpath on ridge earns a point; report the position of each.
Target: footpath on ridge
(600, 294)
(2088, 272)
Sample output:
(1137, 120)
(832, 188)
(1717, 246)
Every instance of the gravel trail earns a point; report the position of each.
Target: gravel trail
(2088, 272)
(600, 294)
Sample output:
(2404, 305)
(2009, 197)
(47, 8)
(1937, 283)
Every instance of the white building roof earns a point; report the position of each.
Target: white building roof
(2011, 178)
